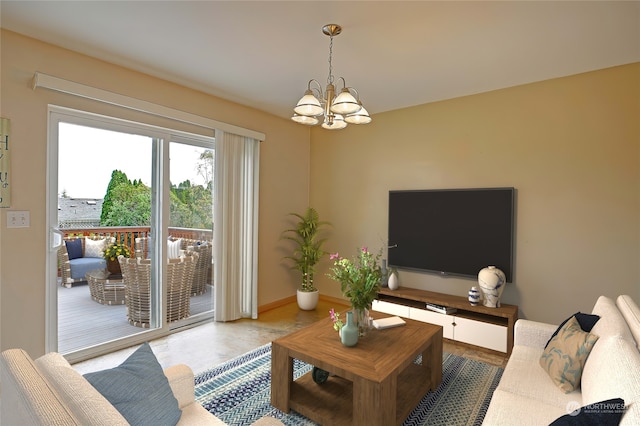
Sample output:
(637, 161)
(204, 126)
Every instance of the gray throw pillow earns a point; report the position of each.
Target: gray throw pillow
(139, 390)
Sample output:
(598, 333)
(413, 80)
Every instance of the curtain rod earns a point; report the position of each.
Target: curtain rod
(77, 89)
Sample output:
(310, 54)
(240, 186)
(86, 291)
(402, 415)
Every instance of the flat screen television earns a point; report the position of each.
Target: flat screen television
(452, 231)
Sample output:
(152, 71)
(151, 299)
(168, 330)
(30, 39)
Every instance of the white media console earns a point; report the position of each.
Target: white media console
(490, 328)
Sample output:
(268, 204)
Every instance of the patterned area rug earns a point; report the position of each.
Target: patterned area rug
(238, 391)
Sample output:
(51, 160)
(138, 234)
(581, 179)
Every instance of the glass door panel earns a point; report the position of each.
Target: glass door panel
(191, 218)
(104, 191)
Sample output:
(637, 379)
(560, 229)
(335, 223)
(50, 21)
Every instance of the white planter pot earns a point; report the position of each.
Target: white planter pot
(308, 300)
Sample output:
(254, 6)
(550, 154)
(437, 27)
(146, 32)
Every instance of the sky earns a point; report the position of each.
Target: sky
(88, 156)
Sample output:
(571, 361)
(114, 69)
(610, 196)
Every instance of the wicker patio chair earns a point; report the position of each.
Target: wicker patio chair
(202, 271)
(142, 247)
(136, 273)
(73, 271)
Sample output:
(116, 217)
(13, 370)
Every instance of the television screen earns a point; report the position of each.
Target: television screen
(452, 232)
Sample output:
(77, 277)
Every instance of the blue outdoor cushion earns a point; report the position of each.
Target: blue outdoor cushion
(139, 390)
(82, 265)
(74, 248)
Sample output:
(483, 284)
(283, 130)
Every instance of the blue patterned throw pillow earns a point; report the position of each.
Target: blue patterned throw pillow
(139, 390)
(564, 357)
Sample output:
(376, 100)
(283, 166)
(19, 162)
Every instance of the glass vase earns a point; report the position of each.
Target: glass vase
(349, 333)
(362, 320)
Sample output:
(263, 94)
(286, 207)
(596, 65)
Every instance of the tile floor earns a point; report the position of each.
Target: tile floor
(205, 346)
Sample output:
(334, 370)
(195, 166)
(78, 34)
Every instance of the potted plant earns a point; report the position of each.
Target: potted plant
(360, 280)
(111, 254)
(306, 254)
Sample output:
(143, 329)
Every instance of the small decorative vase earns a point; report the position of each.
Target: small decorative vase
(491, 281)
(384, 282)
(393, 280)
(113, 266)
(349, 336)
(474, 296)
(362, 321)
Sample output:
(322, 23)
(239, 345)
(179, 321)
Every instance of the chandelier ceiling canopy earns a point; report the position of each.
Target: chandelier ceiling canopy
(334, 112)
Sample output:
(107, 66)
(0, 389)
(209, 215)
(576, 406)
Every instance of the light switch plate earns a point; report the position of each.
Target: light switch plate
(18, 219)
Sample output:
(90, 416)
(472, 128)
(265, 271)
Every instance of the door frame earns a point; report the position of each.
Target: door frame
(160, 221)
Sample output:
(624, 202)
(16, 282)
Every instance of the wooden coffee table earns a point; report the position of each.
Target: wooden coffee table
(374, 383)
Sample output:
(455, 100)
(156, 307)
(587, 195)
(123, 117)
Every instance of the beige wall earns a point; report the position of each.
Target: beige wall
(571, 148)
(284, 171)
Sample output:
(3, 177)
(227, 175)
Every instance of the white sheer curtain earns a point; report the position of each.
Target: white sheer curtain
(235, 203)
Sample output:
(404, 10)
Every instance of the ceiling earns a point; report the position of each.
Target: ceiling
(396, 54)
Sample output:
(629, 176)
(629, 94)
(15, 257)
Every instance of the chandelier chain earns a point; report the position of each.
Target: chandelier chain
(330, 77)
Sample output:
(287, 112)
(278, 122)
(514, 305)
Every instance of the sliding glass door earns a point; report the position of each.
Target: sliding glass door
(191, 218)
(135, 185)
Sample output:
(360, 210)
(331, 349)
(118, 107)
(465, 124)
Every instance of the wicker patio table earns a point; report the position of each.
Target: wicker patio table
(106, 288)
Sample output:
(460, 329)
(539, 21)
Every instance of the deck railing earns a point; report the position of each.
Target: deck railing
(127, 234)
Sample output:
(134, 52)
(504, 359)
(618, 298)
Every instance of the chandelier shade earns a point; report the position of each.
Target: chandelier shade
(305, 119)
(359, 117)
(336, 122)
(323, 106)
(345, 103)
(308, 105)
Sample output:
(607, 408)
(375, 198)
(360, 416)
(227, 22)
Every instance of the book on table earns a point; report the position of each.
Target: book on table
(388, 322)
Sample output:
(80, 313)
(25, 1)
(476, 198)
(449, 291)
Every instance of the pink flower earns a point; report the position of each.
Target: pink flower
(332, 313)
(334, 256)
(364, 249)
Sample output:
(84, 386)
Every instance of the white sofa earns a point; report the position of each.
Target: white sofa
(527, 396)
(48, 391)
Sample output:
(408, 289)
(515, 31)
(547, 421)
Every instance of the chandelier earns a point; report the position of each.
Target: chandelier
(333, 111)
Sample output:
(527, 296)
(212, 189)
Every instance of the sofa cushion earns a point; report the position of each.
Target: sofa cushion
(611, 321)
(508, 409)
(86, 403)
(612, 372)
(94, 248)
(139, 389)
(586, 321)
(524, 367)
(631, 314)
(602, 413)
(74, 248)
(564, 357)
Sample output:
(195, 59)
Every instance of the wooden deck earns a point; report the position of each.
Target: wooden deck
(83, 322)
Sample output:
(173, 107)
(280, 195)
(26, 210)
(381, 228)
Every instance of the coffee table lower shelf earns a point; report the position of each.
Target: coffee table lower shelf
(332, 402)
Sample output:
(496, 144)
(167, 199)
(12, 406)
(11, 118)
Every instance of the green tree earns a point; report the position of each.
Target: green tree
(191, 206)
(204, 168)
(117, 178)
(131, 206)
(128, 203)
